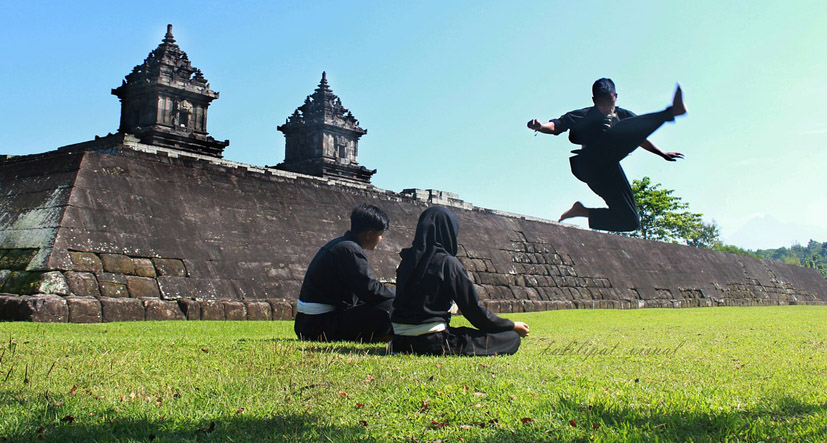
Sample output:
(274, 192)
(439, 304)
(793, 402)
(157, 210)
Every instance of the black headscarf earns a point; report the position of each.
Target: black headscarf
(436, 235)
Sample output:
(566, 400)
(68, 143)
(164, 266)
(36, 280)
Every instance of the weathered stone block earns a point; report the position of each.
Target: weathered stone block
(84, 310)
(235, 310)
(258, 310)
(142, 287)
(121, 309)
(44, 308)
(190, 308)
(85, 262)
(9, 307)
(20, 282)
(212, 310)
(117, 264)
(108, 289)
(112, 285)
(52, 282)
(171, 267)
(163, 310)
(17, 259)
(144, 267)
(173, 288)
(82, 284)
(282, 309)
(108, 277)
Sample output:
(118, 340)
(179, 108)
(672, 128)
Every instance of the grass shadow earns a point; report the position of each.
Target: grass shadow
(779, 420)
(282, 428)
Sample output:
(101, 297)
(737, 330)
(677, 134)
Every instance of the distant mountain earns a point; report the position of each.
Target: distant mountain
(767, 232)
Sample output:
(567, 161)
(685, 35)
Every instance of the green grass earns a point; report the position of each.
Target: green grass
(710, 374)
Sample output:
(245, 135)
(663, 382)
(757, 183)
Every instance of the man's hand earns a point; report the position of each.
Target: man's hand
(545, 128)
(521, 328)
(672, 156)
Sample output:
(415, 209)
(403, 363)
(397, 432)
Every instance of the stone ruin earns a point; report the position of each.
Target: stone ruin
(151, 223)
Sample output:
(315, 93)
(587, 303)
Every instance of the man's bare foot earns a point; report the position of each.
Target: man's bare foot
(576, 210)
(678, 107)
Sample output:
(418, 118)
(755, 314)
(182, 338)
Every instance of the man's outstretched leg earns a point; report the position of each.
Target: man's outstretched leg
(625, 136)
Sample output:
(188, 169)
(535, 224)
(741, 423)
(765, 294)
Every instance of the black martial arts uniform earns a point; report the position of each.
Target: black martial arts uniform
(339, 278)
(607, 140)
(429, 278)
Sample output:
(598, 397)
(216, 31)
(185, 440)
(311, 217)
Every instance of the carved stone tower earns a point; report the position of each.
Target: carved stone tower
(322, 138)
(164, 102)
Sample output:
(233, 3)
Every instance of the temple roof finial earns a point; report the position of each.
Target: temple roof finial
(169, 39)
(323, 85)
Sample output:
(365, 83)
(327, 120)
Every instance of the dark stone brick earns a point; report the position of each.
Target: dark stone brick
(212, 310)
(259, 310)
(84, 310)
(117, 264)
(121, 309)
(82, 284)
(44, 308)
(190, 308)
(235, 310)
(282, 309)
(170, 267)
(9, 307)
(20, 282)
(144, 267)
(114, 290)
(112, 285)
(17, 259)
(108, 277)
(173, 288)
(142, 287)
(85, 262)
(161, 310)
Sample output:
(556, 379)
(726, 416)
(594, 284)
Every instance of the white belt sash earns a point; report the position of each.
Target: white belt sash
(414, 330)
(309, 308)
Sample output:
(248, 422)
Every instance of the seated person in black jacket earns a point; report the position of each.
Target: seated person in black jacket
(429, 279)
(339, 298)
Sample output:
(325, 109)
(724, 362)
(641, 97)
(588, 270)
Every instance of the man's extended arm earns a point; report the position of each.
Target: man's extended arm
(545, 128)
(668, 156)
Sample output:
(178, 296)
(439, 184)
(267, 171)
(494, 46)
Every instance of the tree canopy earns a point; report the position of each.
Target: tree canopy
(666, 217)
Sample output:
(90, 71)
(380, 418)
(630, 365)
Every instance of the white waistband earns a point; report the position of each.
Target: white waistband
(414, 330)
(314, 308)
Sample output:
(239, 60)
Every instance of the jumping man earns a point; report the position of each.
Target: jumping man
(608, 134)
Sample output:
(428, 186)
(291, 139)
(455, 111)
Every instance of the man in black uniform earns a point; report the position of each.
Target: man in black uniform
(608, 134)
(339, 298)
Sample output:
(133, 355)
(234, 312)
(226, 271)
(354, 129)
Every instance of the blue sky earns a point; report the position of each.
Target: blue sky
(445, 88)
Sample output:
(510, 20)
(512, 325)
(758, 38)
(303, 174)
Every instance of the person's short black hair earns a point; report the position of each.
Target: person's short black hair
(368, 218)
(603, 87)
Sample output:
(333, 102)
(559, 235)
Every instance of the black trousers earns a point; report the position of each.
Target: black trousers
(598, 165)
(458, 341)
(366, 322)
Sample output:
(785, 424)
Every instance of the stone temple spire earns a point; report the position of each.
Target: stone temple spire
(322, 138)
(164, 102)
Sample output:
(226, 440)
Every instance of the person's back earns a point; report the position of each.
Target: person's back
(339, 298)
(429, 279)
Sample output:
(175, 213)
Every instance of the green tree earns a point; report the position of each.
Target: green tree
(666, 217)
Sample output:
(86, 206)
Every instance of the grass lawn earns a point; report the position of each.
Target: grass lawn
(709, 374)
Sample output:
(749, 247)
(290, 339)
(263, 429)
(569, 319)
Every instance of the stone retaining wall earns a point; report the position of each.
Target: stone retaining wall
(113, 231)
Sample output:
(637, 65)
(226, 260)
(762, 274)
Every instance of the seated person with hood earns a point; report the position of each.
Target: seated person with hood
(340, 299)
(429, 279)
